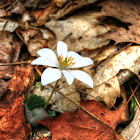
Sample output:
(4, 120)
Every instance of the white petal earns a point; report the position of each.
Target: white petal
(69, 77)
(44, 61)
(82, 76)
(45, 52)
(79, 60)
(62, 49)
(50, 75)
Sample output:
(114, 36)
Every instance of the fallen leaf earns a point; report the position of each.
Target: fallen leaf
(132, 131)
(35, 115)
(3, 85)
(126, 59)
(107, 71)
(58, 8)
(70, 7)
(59, 103)
(12, 125)
(34, 40)
(9, 52)
(104, 53)
(108, 91)
(132, 34)
(10, 25)
(80, 31)
(81, 126)
(21, 81)
(126, 11)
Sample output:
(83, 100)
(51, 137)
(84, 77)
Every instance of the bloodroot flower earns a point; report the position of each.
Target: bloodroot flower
(62, 65)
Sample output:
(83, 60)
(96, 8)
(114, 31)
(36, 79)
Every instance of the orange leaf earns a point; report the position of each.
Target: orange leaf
(12, 125)
(81, 126)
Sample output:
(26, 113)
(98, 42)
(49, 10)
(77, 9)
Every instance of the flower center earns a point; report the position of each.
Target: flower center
(66, 62)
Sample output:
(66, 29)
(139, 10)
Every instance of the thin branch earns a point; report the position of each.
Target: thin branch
(16, 63)
(11, 5)
(5, 5)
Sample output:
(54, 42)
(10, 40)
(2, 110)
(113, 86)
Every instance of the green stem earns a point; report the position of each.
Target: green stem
(51, 95)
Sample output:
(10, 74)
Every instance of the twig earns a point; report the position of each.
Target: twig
(20, 37)
(5, 25)
(82, 108)
(16, 63)
(134, 95)
(31, 27)
(4, 5)
(12, 5)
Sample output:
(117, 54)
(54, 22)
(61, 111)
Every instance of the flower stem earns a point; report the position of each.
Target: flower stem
(51, 94)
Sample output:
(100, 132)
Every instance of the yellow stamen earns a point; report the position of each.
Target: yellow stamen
(66, 62)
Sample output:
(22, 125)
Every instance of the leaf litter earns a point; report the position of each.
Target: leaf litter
(27, 26)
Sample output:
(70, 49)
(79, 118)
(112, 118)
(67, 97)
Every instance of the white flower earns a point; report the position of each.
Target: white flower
(62, 65)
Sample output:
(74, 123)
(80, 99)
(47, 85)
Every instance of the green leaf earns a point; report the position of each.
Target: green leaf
(134, 103)
(35, 101)
(38, 84)
(51, 113)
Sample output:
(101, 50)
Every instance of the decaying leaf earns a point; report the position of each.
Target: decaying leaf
(107, 91)
(12, 122)
(9, 52)
(126, 11)
(132, 131)
(80, 31)
(35, 40)
(105, 72)
(3, 85)
(80, 126)
(70, 7)
(9, 25)
(58, 102)
(21, 81)
(12, 125)
(35, 115)
(126, 59)
(123, 35)
(55, 5)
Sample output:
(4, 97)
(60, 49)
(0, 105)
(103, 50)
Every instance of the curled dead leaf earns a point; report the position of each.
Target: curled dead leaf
(80, 31)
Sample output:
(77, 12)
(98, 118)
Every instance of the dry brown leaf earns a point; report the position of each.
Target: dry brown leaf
(9, 52)
(55, 7)
(80, 31)
(108, 70)
(107, 91)
(59, 103)
(132, 131)
(105, 52)
(34, 40)
(126, 59)
(70, 7)
(123, 35)
(126, 11)
(43, 15)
